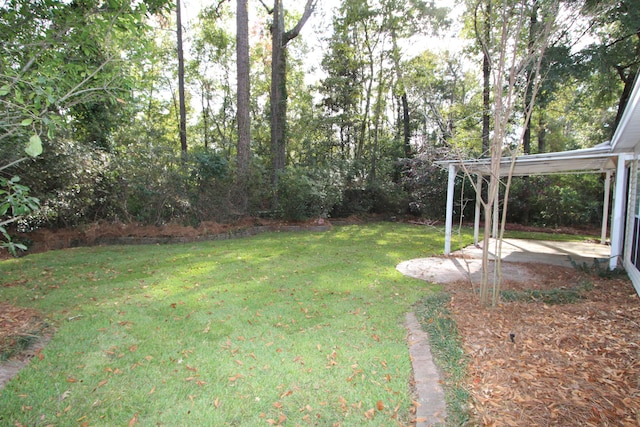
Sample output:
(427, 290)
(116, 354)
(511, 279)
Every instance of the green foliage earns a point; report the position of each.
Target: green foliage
(15, 203)
(556, 200)
(305, 193)
(63, 63)
(73, 181)
(599, 267)
(208, 165)
(94, 82)
(426, 186)
(548, 296)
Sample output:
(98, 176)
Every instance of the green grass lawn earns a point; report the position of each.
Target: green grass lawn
(281, 328)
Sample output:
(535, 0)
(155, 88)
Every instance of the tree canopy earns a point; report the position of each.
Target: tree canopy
(307, 111)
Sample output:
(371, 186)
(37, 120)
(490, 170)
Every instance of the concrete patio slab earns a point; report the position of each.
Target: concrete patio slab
(541, 251)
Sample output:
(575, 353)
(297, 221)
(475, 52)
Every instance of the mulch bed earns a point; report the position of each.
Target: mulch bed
(104, 233)
(531, 363)
(19, 327)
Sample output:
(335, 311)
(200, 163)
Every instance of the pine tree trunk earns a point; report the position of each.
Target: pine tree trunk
(181, 96)
(243, 113)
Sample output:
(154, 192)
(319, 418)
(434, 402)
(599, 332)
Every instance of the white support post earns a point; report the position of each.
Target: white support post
(476, 220)
(605, 208)
(618, 222)
(449, 218)
(631, 211)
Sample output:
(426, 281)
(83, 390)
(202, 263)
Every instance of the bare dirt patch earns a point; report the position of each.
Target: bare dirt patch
(533, 363)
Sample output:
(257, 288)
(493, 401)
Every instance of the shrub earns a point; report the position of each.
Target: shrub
(305, 193)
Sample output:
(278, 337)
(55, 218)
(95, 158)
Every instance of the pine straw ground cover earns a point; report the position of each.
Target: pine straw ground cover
(19, 327)
(539, 363)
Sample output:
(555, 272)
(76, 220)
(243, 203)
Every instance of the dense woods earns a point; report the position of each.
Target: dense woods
(262, 132)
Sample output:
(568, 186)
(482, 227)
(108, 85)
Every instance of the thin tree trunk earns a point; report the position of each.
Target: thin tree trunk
(181, 96)
(205, 114)
(486, 81)
(378, 113)
(406, 125)
(533, 22)
(542, 132)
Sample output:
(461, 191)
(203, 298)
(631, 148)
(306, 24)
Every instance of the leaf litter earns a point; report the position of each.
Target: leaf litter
(23, 333)
(531, 363)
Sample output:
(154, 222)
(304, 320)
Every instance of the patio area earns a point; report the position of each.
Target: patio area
(520, 260)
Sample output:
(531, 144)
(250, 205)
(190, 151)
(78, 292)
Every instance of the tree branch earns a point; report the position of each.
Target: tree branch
(269, 11)
(295, 31)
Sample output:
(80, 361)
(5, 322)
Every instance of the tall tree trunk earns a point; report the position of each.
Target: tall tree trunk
(406, 130)
(183, 108)
(243, 108)
(278, 93)
(406, 125)
(486, 81)
(278, 109)
(376, 121)
(205, 115)
(530, 74)
(542, 132)
(368, 95)
(628, 79)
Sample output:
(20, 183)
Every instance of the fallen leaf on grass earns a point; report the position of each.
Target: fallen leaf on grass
(235, 377)
(134, 420)
(286, 393)
(281, 420)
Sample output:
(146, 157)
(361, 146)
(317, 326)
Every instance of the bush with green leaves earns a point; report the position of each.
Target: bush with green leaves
(75, 183)
(305, 193)
(562, 200)
(426, 186)
(15, 203)
(15, 198)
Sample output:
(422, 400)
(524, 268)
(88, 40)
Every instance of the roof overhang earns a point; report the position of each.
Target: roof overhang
(601, 158)
(597, 159)
(627, 134)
